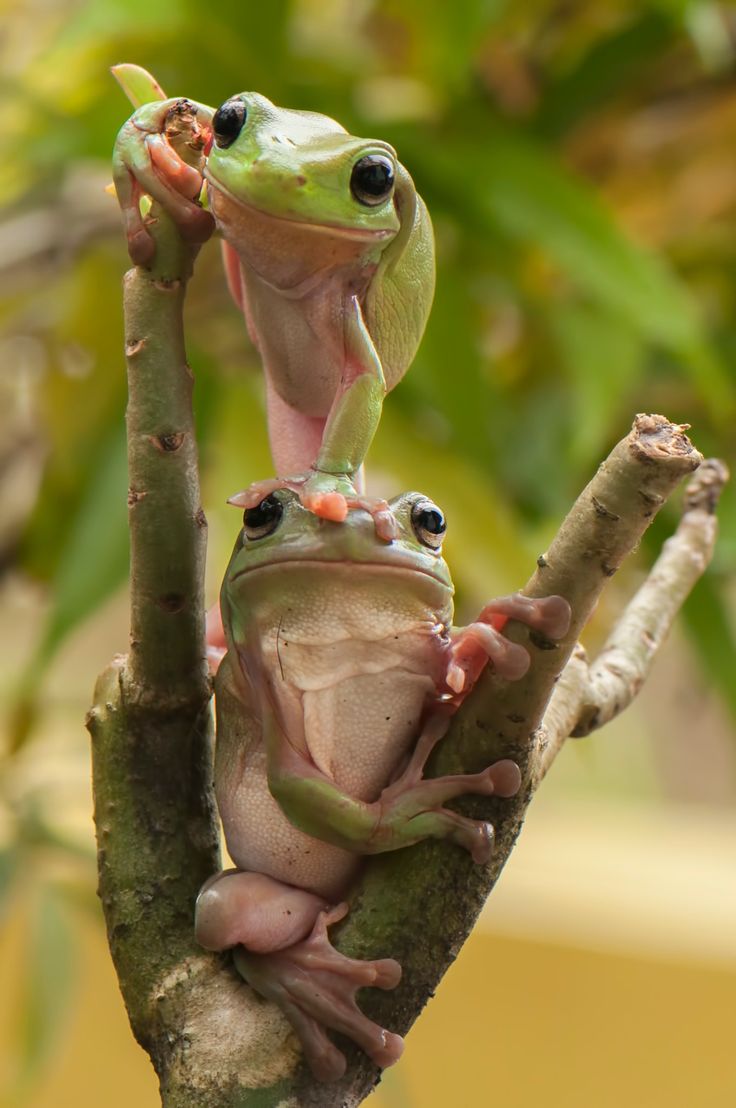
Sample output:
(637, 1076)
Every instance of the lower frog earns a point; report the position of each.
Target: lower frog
(341, 675)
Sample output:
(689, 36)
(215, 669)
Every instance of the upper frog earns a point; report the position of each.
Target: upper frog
(329, 252)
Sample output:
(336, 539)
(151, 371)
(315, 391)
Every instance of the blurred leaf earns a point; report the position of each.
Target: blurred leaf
(48, 986)
(602, 358)
(93, 563)
(443, 35)
(607, 69)
(712, 634)
(9, 861)
(536, 200)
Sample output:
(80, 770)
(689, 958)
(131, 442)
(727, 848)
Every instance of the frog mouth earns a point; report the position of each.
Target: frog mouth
(347, 564)
(334, 228)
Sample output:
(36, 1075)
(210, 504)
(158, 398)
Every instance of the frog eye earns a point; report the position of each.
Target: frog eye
(227, 122)
(428, 523)
(372, 179)
(263, 519)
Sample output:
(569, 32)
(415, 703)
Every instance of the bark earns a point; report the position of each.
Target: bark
(215, 1044)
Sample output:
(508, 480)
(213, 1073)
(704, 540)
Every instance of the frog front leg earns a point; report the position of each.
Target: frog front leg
(472, 647)
(407, 811)
(144, 163)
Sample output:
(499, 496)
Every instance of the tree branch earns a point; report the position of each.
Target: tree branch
(624, 663)
(212, 1041)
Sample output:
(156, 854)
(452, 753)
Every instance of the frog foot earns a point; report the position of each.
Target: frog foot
(315, 986)
(482, 642)
(326, 495)
(146, 163)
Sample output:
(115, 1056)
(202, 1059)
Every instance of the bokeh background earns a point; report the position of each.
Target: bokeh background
(579, 162)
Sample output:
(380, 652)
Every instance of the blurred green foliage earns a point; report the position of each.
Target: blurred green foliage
(577, 162)
(542, 137)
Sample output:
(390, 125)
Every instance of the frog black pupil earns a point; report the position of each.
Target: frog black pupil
(268, 512)
(432, 521)
(372, 179)
(228, 122)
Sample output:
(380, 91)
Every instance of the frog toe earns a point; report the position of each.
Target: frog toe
(315, 987)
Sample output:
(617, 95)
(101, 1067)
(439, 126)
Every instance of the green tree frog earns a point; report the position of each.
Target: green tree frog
(341, 674)
(328, 252)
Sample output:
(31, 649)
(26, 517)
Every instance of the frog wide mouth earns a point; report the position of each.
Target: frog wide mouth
(405, 569)
(340, 229)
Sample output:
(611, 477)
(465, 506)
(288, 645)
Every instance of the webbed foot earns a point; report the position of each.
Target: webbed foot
(315, 986)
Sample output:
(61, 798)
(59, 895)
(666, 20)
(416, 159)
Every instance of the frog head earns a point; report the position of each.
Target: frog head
(285, 550)
(285, 184)
(302, 166)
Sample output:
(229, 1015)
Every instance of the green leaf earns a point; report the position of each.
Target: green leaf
(48, 989)
(605, 70)
(95, 559)
(510, 181)
(9, 862)
(93, 563)
(138, 84)
(712, 634)
(602, 359)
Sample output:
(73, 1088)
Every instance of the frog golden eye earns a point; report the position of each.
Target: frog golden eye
(428, 523)
(227, 122)
(263, 519)
(372, 179)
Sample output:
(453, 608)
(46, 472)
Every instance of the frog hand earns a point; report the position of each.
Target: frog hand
(327, 495)
(412, 806)
(145, 162)
(472, 647)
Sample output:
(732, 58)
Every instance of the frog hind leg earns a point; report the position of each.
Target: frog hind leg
(283, 951)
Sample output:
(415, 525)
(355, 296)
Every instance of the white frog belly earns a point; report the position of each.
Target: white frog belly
(353, 668)
(358, 730)
(261, 839)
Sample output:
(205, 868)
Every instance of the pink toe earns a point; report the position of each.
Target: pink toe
(328, 505)
(506, 778)
(390, 1052)
(388, 973)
